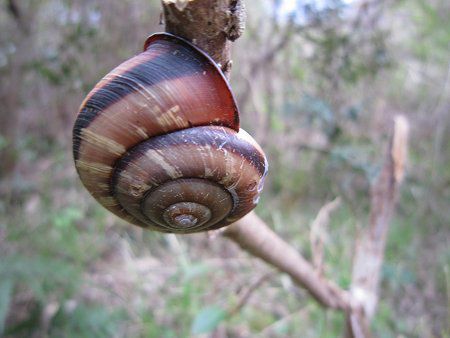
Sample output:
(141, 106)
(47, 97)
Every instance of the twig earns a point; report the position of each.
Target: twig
(255, 237)
(280, 321)
(247, 293)
(318, 232)
(262, 62)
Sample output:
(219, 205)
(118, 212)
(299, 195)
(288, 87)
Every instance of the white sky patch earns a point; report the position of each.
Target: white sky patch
(290, 7)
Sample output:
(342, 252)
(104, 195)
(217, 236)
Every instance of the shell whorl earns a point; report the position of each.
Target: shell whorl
(157, 142)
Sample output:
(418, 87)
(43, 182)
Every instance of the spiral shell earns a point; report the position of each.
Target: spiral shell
(157, 142)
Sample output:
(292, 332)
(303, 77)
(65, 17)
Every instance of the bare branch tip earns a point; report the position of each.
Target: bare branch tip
(179, 4)
(399, 150)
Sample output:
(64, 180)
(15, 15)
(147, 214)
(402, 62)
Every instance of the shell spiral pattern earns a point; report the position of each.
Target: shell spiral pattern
(157, 142)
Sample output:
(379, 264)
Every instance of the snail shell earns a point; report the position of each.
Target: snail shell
(157, 142)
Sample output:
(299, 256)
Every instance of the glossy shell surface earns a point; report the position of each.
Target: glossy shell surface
(167, 115)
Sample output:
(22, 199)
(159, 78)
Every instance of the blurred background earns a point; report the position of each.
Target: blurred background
(318, 91)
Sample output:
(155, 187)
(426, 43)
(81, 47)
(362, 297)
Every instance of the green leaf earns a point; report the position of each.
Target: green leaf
(6, 289)
(195, 270)
(3, 142)
(208, 319)
(86, 321)
(66, 217)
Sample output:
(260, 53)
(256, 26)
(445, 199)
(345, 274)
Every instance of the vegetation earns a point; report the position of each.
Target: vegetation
(318, 91)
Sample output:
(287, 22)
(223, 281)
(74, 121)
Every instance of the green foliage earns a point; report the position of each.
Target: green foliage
(45, 259)
(43, 275)
(258, 320)
(433, 30)
(48, 278)
(3, 142)
(6, 290)
(85, 321)
(193, 271)
(208, 319)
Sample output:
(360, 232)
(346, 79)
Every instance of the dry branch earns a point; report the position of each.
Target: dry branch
(369, 252)
(247, 293)
(255, 237)
(317, 233)
(211, 25)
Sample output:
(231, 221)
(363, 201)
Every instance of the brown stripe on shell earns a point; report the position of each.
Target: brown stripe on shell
(241, 143)
(214, 153)
(207, 195)
(123, 68)
(133, 120)
(166, 58)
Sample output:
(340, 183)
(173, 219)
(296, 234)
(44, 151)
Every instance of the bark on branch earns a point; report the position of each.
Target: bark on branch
(210, 24)
(255, 237)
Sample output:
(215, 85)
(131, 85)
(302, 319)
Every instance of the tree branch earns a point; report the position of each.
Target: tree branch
(317, 233)
(369, 251)
(210, 24)
(255, 237)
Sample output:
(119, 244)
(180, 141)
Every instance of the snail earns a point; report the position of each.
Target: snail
(157, 142)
